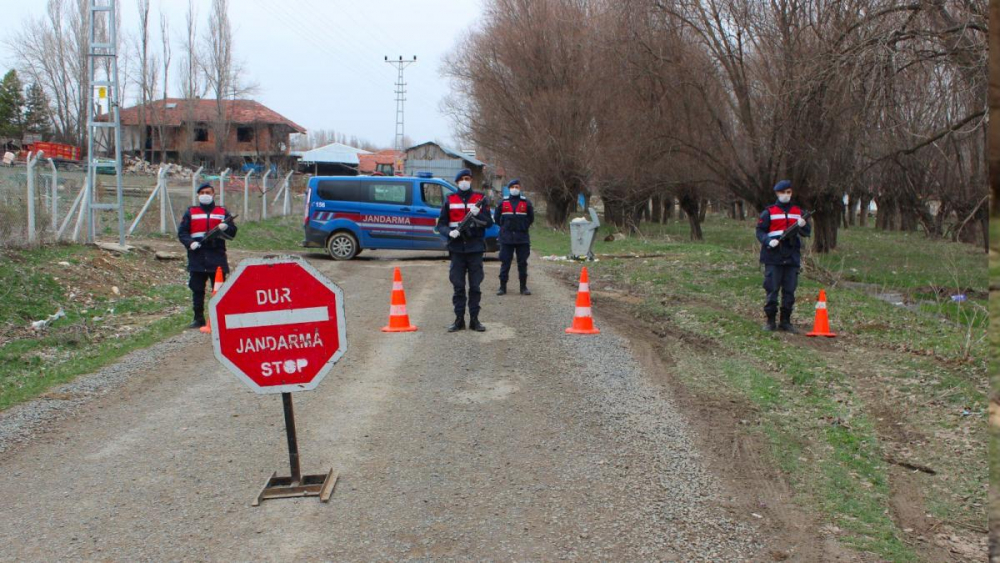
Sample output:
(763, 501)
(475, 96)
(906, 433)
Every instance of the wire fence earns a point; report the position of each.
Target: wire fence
(154, 205)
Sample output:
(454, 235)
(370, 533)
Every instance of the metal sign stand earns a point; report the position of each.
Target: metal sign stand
(296, 485)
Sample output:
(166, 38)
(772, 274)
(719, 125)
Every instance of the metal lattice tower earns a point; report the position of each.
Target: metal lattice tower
(400, 65)
(103, 49)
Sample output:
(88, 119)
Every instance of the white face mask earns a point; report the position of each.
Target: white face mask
(785, 198)
(205, 199)
(465, 185)
(515, 192)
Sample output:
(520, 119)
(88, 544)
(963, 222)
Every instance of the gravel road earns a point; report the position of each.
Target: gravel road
(521, 443)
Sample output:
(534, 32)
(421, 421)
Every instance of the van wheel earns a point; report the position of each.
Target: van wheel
(342, 246)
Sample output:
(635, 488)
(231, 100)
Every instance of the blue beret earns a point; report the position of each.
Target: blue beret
(783, 185)
(205, 185)
(514, 182)
(463, 172)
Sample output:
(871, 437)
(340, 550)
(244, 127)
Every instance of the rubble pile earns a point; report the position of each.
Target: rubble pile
(142, 167)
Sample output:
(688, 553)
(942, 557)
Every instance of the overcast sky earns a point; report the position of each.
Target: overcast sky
(320, 62)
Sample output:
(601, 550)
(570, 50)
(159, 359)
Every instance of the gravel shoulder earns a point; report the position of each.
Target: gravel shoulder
(519, 443)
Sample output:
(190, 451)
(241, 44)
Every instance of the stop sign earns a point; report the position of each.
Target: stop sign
(278, 324)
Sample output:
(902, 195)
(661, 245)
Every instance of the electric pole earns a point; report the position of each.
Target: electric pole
(400, 65)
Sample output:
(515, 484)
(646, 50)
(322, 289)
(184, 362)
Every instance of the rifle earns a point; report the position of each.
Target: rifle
(216, 231)
(471, 220)
(790, 230)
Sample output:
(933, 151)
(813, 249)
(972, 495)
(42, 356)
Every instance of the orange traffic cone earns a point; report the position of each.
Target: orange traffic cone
(583, 321)
(399, 321)
(219, 279)
(822, 325)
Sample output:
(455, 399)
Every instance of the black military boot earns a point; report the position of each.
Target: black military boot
(786, 322)
(524, 288)
(458, 325)
(770, 325)
(199, 319)
(475, 325)
(503, 289)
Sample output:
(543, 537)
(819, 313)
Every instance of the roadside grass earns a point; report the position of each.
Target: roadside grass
(273, 235)
(821, 403)
(100, 326)
(994, 409)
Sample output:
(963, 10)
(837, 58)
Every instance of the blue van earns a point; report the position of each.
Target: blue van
(347, 214)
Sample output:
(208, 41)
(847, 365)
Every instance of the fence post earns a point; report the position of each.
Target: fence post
(163, 202)
(32, 160)
(246, 195)
(286, 209)
(55, 196)
(222, 187)
(263, 194)
(194, 185)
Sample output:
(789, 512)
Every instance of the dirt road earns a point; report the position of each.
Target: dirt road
(518, 443)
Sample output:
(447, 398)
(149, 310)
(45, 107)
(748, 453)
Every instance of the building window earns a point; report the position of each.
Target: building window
(201, 135)
(244, 134)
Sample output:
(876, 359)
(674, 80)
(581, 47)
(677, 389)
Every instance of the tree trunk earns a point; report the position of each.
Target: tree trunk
(557, 208)
(826, 220)
(657, 214)
(702, 211)
(863, 211)
(689, 206)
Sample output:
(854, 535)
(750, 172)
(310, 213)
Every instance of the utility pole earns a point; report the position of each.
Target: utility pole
(400, 65)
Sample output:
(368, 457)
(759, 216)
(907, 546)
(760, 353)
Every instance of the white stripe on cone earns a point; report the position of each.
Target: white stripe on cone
(583, 312)
(821, 304)
(397, 286)
(397, 310)
(585, 287)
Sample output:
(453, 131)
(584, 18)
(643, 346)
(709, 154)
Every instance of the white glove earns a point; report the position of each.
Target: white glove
(454, 233)
(773, 243)
(474, 210)
(802, 222)
(195, 245)
(223, 226)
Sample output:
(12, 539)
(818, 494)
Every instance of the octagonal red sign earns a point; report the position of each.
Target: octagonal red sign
(278, 324)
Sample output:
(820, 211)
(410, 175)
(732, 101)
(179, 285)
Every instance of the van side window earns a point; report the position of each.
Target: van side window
(432, 194)
(389, 193)
(337, 190)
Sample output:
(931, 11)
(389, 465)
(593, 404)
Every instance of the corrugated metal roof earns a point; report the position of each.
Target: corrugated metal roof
(338, 153)
(451, 152)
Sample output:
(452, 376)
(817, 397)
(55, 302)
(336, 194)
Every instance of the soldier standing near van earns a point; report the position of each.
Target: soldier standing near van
(515, 216)
(205, 255)
(781, 256)
(466, 248)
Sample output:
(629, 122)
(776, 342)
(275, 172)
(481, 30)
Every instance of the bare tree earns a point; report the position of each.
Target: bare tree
(222, 71)
(167, 57)
(148, 73)
(521, 91)
(52, 52)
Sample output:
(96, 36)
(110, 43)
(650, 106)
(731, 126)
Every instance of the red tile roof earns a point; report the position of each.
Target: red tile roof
(368, 162)
(203, 110)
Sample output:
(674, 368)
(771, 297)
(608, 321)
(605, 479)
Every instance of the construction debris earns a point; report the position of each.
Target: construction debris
(40, 325)
(142, 167)
(164, 255)
(114, 247)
